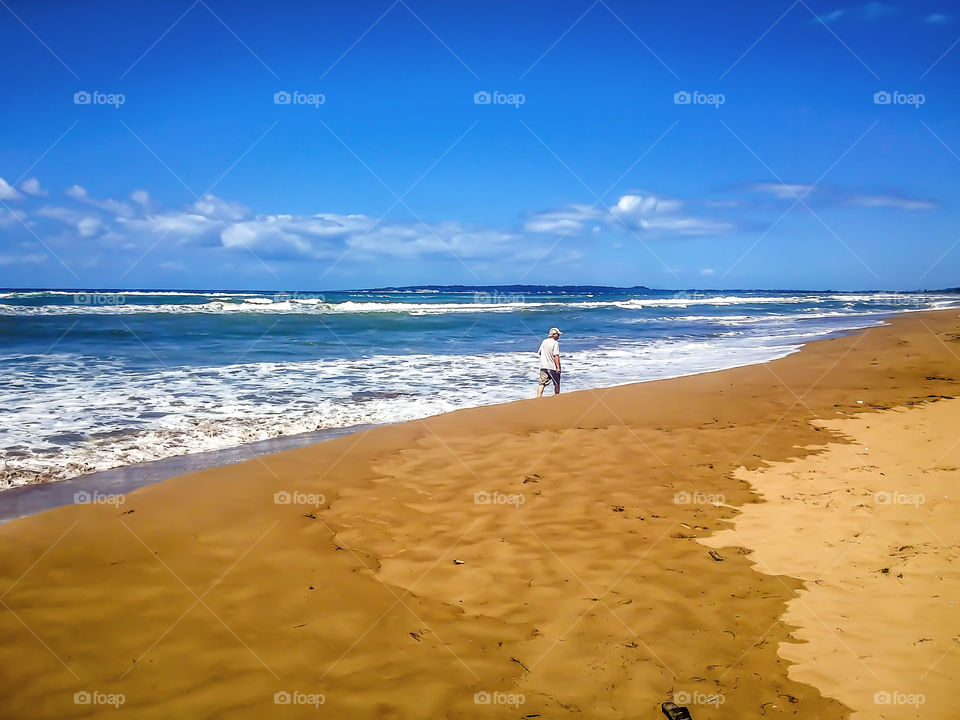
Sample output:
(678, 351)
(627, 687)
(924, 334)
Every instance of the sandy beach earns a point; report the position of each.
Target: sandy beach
(534, 559)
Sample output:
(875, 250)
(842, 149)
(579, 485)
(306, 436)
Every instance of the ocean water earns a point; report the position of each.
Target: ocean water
(95, 380)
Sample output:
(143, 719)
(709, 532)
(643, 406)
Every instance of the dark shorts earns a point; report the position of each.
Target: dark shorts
(549, 376)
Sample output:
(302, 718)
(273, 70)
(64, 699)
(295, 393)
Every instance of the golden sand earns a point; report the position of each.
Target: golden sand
(539, 558)
(876, 518)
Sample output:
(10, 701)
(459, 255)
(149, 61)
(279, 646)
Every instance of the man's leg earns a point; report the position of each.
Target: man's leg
(542, 382)
(556, 382)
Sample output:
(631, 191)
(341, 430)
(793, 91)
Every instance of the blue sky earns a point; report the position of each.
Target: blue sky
(784, 170)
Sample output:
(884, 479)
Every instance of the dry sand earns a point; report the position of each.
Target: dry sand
(876, 519)
(583, 588)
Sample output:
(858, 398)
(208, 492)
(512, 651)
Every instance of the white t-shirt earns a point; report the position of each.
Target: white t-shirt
(548, 348)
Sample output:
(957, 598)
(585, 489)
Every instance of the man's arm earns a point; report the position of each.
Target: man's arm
(556, 360)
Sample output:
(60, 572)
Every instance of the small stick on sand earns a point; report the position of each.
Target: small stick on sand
(513, 659)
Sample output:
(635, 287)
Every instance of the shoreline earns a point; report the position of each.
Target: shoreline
(413, 579)
(30, 498)
(118, 420)
(25, 500)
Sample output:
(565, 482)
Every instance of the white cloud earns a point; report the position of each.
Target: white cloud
(84, 223)
(786, 191)
(7, 192)
(565, 258)
(866, 12)
(937, 18)
(31, 186)
(632, 212)
(71, 217)
(11, 217)
(215, 223)
(640, 206)
(269, 239)
(212, 223)
(278, 236)
(212, 206)
(832, 16)
(175, 225)
(655, 214)
(708, 271)
(568, 220)
(88, 226)
(449, 239)
(687, 225)
(142, 198)
(891, 201)
(837, 196)
(118, 208)
(22, 259)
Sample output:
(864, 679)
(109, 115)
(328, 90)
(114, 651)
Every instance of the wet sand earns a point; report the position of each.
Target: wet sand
(540, 558)
(25, 500)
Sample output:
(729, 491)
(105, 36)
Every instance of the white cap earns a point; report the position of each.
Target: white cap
(554, 330)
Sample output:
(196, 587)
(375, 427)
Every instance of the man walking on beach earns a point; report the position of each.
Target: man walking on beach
(550, 362)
